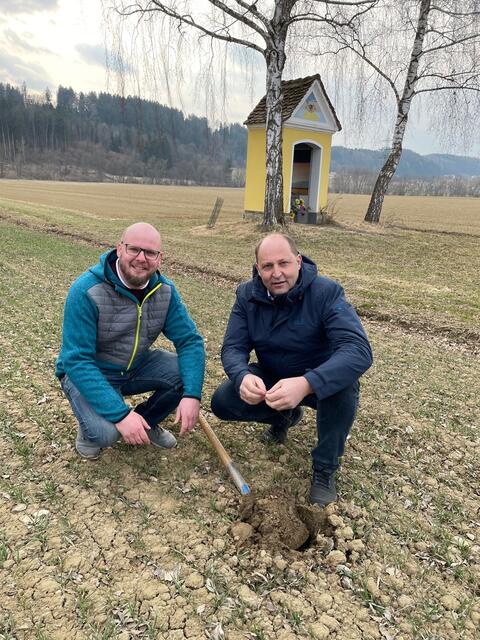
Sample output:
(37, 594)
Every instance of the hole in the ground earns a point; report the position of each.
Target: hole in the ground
(280, 521)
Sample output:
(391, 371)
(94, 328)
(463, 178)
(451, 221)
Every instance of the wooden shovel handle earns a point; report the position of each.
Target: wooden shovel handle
(215, 442)
(235, 474)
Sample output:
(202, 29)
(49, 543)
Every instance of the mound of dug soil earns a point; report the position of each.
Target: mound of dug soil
(277, 520)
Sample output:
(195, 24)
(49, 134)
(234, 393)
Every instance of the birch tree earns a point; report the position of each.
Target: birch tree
(268, 28)
(415, 48)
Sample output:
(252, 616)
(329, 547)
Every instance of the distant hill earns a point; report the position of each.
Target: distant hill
(456, 165)
(412, 165)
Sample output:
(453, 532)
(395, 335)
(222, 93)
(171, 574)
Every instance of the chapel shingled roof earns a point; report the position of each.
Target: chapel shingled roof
(293, 92)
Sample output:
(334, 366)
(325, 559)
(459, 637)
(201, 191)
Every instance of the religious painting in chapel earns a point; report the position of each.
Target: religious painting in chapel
(310, 110)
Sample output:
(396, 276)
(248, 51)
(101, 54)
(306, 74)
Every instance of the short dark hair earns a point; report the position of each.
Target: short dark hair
(291, 244)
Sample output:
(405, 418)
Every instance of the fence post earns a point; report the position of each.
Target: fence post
(215, 213)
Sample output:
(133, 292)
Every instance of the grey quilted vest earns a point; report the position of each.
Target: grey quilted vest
(126, 329)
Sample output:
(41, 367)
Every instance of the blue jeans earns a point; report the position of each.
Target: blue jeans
(335, 416)
(158, 372)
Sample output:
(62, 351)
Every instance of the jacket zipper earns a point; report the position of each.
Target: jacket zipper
(139, 317)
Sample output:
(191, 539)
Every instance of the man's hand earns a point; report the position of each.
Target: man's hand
(187, 414)
(133, 429)
(252, 389)
(288, 393)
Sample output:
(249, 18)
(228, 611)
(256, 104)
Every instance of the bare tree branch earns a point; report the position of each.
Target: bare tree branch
(309, 16)
(252, 8)
(455, 14)
(472, 74)
(241, 17)
(453, 87)
(187, 20)
(446, 45)
(346, 4)
(363, 55)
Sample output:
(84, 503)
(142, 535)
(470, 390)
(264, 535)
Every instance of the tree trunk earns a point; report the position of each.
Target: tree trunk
(275, 60)
(403, 107)
(381, 185)
(273, 211)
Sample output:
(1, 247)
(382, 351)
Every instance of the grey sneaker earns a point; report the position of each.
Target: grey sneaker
(85, 448)
(322, 489)
(278, 433)
(160, 437)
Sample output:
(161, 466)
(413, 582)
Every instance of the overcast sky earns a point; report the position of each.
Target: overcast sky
(46, 43)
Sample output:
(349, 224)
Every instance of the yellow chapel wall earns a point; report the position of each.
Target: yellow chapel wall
(256, 172)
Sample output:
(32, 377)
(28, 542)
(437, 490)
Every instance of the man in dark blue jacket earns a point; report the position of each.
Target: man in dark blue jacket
(311, 350)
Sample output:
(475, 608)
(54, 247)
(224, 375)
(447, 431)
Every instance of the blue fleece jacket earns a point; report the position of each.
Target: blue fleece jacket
(78, 355)
(311, 331)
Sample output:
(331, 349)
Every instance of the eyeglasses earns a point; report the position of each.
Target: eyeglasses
(132, 250)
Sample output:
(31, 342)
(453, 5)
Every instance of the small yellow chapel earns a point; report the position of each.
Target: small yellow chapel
(308, 124)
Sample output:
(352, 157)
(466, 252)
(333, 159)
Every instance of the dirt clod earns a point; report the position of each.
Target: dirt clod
(241, 532)
(279, 521)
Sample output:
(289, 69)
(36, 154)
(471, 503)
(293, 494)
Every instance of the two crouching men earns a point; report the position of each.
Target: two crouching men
(310, 348)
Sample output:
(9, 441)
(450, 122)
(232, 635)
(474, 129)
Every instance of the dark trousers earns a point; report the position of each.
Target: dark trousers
(335, 416)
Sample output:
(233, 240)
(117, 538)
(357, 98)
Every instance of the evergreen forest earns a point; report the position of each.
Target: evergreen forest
(97, 137)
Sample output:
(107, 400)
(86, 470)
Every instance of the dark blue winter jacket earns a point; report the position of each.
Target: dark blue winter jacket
(311, 331)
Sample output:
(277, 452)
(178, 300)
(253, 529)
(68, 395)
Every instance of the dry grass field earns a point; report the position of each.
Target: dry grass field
(424, 213)
(459, 215)
(142, 545)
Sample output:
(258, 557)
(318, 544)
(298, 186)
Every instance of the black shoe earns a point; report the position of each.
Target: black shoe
(322, 489)
(277, 433)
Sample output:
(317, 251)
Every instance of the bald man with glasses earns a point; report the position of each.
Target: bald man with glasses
(114, 312)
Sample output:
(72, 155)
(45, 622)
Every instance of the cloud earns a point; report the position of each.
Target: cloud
(92, 53)
(27, 6)
(16, 71)
(13, 40)
(99, 56)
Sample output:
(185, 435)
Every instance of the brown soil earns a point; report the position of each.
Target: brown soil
(279, 521)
